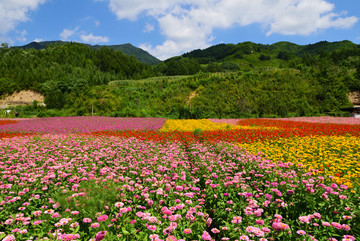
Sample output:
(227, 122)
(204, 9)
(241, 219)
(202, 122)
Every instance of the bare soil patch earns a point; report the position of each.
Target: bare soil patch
(24, 97)
(354, 97)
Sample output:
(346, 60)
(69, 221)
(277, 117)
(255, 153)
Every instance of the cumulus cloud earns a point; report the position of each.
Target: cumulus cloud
(91, 38)
(149, 28)
(13, 12)
(75, 34)
(67, 33)
(188, 24)
(22, 36)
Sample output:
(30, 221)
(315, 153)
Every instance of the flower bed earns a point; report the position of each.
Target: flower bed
(336, 156)
(71, 187)
(58, 125)
(123, 179)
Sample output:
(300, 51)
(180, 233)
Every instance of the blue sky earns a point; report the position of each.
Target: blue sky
(167, 28)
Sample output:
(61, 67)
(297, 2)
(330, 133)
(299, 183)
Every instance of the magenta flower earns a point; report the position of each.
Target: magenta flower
(95, 225)
(102, 218)
(86, 220)
(279, 226)
(171, 238)
(100, 235)
(301, 232)
(244, 237)
(187, 231)
(205, 236)
(152, 227)
(259, 222)
(336, 225)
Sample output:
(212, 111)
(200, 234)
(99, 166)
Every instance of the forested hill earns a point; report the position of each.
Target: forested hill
(65, 68)
(127, 49)
(222, 81)
(286, 50)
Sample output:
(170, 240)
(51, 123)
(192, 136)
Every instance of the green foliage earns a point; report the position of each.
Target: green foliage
(128, 49)
(65, 69)
(264, 57)
(223, 81)
(179, 66)
(266, 92)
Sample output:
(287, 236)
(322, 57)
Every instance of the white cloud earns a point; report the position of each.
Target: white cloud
(67, 33)
(13, 12)
(38, 40)
(149, 28)
(189, 24)
(22, 36)
(75, 34)
(90, 38)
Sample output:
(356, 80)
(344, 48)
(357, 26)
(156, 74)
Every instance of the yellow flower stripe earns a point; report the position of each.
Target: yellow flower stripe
(337, 156)
(203, 124)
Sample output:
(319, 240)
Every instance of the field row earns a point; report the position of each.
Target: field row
(92, 178)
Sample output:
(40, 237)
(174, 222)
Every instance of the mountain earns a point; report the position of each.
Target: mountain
(223, 52)
(127, 49)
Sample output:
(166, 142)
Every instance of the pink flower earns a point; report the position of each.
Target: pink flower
(171, 238)
(279, 226)
(205, 236)
(74, 225)
(75, 212)
(187, 231)
(95, 225)
(260, 222)
(301, 232)
(152, 227)
(9, 238)
(349, 237)
(304, 219)
(100, 235)
(244, 237)
(345, 227)
(119, 204)
(37, 222)
(317, 215)
(102, 218)
(87, 220)
(179, 188)
(236, 219)
(153, 236)
(336, 225)
(326, 224)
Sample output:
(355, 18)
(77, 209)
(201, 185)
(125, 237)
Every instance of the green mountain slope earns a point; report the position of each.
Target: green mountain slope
(127, 49)
(248, 55)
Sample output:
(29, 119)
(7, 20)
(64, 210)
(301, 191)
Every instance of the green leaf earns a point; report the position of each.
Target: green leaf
(125, 232)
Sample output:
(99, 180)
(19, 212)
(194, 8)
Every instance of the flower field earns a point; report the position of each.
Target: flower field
(98, 178)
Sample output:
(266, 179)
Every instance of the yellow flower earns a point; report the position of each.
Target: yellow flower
(336, 156)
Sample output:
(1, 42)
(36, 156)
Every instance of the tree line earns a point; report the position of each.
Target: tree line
(229, 81)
